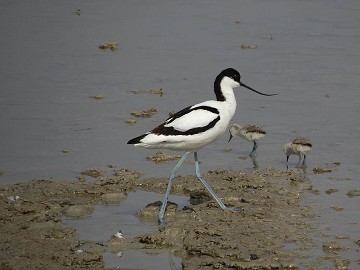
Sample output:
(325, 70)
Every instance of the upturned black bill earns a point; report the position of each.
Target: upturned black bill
(248, 87)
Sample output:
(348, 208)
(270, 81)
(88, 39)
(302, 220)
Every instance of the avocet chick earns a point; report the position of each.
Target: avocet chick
(251, 133)
(299, 147)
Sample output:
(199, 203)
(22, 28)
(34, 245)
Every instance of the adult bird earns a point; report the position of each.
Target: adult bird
(196, 126)
(251, 133)
(300, 147)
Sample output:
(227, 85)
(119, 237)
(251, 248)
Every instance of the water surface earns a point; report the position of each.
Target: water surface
(307, 51)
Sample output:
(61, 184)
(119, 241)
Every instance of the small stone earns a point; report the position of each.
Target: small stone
(113, 197)
(331, 247)
(119, 235)
(76, 211)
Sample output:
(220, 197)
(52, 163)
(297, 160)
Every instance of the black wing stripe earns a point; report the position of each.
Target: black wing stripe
(178, 114)
(188, 110)
(162, 130)
(170, 131)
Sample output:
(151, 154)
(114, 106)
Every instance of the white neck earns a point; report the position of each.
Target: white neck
(227, 86)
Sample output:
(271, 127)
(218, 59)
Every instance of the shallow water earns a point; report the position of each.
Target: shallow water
(106, 220)
(306, 51)
(135, 259)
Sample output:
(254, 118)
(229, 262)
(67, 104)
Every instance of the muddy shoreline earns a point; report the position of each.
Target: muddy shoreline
(205, 237)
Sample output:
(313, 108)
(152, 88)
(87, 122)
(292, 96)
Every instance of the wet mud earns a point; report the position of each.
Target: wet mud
(201, 234)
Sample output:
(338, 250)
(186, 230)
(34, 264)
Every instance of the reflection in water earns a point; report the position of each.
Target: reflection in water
(107, 220)
(255, 163)
(300, 169)
(138, 259)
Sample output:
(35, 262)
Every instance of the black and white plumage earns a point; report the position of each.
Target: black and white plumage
(187, 130)
(196, 126)
(300, 147)
(251, 133)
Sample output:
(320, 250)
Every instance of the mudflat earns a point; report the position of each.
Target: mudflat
(33, 235)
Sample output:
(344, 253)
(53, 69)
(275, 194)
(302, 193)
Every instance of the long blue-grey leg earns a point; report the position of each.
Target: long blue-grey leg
(300, 157)
(202, 180)
(304, 160)
(253, 151)
(172, 175)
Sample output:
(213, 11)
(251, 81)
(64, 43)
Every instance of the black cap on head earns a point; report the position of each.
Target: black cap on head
(235, 75)
(231, 73)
